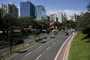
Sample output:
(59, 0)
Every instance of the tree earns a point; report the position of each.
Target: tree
(44, 24)
(88, 7)
(8, 25)
(83, 23)
(69, 24)
(26, 21)
(25, 25)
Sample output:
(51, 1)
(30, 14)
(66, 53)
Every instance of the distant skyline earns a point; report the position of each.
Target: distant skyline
(52, 6)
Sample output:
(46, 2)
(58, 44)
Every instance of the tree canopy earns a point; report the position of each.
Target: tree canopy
(88, 7)
(84, 23)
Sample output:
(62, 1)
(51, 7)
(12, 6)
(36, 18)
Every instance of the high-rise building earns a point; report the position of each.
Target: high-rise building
(40, 12)
(9, 9)
(48, 18)
(53, 21)
(27, 9)
(53, 17)
(61, 17)
(74, 17)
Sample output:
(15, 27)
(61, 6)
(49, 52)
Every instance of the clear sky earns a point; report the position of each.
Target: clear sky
(55, 5)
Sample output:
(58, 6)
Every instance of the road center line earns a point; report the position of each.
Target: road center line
(38, 57)
(28, 54)
(48, 48)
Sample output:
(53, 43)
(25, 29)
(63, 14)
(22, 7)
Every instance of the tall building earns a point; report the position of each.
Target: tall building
(64, 16)
(74, 17)
(27, 9)
(48, 18)
(61, 17)
(53, 21)
(9, 9)
(53, 17)
(40, 12)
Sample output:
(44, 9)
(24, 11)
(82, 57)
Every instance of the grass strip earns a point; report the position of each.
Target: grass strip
(80, 48)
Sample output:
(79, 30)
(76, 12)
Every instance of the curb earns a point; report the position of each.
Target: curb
(65, 56)
(66, 42)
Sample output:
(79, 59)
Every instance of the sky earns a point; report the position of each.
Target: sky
(53, 6)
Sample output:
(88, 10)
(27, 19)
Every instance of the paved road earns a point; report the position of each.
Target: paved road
(42, 51)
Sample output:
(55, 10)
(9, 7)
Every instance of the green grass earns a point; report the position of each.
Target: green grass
(80, 48)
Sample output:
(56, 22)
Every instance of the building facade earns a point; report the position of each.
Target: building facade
(53, 21)
(53, 17)
(40, 12)
(9, 9)
(27, 9)
(74, 17)
(61, 17)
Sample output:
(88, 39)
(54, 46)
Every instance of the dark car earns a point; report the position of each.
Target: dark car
(66, 33)
(17, 41)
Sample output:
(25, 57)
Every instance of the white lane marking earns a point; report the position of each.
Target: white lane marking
(48, 48)
(40, 46)
(28, 54)
(38, 57)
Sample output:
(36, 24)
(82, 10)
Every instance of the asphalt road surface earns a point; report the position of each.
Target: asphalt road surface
(42, 51)
(28, 40)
